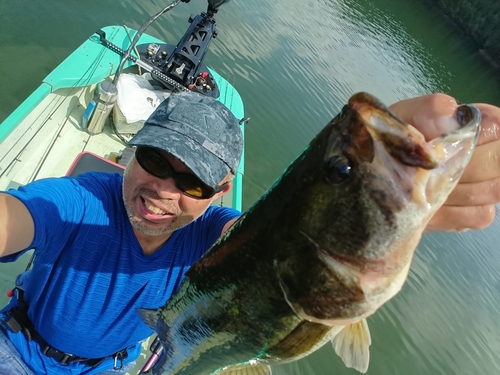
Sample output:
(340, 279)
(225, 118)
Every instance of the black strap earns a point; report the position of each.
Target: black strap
(18, 321)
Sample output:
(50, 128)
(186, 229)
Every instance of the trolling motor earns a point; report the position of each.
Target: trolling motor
(184, 63)
(175, 68)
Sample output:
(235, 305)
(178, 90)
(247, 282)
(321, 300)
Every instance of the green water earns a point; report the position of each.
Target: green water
(295, 63)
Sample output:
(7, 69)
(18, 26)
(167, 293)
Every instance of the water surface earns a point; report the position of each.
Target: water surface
(296, 63)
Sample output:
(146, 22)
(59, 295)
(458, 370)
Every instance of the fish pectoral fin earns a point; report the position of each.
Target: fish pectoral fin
(247, 370)
(352, 344)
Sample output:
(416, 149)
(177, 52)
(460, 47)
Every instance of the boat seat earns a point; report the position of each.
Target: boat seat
(87, 161)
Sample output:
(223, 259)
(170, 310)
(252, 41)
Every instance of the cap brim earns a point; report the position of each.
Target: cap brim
(205, 165)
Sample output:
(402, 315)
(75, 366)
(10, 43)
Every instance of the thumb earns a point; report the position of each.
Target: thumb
(433, 115)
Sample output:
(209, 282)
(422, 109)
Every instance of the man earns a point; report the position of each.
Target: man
(94, 267)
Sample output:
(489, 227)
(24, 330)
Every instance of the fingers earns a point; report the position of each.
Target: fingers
(484, 164)
(471, 205)
(459, 219)
(432, 114)
(475, 193)
(490, 123)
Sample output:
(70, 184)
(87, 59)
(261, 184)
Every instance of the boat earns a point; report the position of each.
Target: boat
(76, 120)
(46, 132)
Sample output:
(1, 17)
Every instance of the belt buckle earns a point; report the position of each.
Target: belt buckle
(64, 361)
(61, 357)
(12, 323)
(44, 349)
(119, 356)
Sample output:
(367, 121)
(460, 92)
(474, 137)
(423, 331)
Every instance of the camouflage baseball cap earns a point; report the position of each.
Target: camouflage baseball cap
(199, 130)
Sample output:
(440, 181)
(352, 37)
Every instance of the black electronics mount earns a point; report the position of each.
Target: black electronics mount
(176, 67)
(183, 63)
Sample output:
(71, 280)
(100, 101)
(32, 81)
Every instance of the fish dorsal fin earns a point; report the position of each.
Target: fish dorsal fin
(352, 344)
(247, 370)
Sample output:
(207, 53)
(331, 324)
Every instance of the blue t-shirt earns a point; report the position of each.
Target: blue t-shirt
(90, 274)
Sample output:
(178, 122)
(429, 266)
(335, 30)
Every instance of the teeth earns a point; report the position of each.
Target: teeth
(154, 209)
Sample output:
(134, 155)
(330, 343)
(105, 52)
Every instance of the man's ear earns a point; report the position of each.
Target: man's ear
(228, 187)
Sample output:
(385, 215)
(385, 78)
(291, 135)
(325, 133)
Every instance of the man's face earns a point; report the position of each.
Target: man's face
(156, 206)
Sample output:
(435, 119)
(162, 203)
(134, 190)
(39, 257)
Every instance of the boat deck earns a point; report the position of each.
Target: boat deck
(50, 138)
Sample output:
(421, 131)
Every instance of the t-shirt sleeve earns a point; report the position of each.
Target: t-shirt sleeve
(56, 206)
(216, 217)
(208, 228)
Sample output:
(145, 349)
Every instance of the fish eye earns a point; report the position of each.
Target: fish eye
(338, 170)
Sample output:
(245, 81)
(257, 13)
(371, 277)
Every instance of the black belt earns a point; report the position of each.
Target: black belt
(18, 320)
(66, 358)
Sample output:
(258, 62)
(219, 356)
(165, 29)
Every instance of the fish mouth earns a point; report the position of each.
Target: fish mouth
(427, 171)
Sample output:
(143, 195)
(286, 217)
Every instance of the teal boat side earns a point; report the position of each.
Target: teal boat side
(88, 64)
(232, 99)
(22, 111)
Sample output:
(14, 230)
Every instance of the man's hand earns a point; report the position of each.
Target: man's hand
(471, 205)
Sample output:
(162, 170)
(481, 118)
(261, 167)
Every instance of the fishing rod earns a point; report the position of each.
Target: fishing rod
(155, 72)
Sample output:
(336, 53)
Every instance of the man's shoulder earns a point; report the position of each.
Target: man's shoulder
(47, 186)
(100, 183)
(100, 178)
(215, 217)
(218, 211)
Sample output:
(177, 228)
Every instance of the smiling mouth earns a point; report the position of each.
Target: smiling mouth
(153, 209)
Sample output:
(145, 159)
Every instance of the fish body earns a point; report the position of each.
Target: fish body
(322, 250)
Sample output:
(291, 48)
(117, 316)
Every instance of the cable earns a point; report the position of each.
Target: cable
(135, 47)
(138, 35)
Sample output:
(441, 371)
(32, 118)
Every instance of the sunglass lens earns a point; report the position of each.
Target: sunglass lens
(155, 164)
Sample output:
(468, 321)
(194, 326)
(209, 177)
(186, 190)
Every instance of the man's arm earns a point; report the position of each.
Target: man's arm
(17, 228)
(471, 205)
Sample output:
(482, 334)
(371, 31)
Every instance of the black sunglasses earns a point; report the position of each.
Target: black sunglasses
(152, 161)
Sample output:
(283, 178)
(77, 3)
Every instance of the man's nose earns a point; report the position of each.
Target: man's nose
(167, 188)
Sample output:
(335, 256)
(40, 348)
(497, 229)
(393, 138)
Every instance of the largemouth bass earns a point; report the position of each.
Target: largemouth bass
(321, 251)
